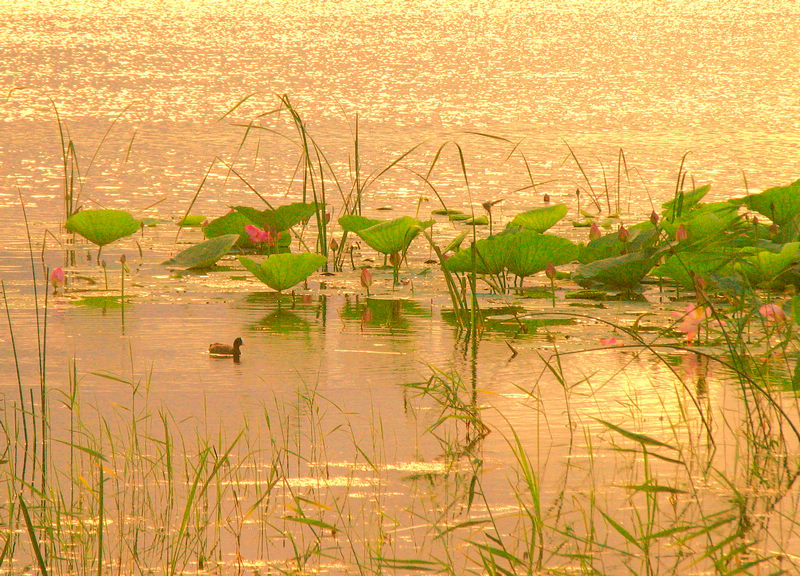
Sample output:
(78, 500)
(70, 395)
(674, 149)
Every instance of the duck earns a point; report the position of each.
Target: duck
(224, 350)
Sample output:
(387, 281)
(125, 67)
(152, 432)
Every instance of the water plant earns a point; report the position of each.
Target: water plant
(203, 255)
(102, 227)
(282, 271)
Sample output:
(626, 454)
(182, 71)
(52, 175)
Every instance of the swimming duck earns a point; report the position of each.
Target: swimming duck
(223, 350)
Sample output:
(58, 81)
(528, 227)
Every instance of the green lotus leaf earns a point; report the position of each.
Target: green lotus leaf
(281, 218)
(231, 223)
(491, 255)
(445, 212)
(203, 255)
(708, 264)
(394, 235)
(620, 272)
(531, 252)
(684, 202)
(477, 221)
(707, 221)
(282, 271)
(765, 265)
(458, 217)
(192, 221)
(354, 222)
(539, 219)
(779, 204)
(102, 227)
(642, 236)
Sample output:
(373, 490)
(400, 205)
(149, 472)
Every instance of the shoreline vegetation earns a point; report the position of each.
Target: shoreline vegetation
(125, 489)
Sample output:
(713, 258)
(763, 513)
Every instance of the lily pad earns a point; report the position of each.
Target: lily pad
(192, 221)
(281, 218)
(102, 227)
(706, 221)
(232, 223)
(708, 264)
(491, 255)
(539, 219)
(392, 236)
(203, 255)
(765, 265)
(282, 271)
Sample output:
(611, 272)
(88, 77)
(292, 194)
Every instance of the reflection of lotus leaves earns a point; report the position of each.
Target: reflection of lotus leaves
(101, 302)
(387, 313)
(511, 321)
(282, 322)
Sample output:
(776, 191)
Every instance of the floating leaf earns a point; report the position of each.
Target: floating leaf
(445, 212)
(539, 219)
(780, 204)
(531, 252)
(281, 218)
(392, 236)
(102, 227)
(477, 221)
(282, 271)
(203, 255)
(706, 221)
(642, 235)
(192, 221)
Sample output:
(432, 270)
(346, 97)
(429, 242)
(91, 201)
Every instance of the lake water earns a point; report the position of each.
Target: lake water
(148, 93)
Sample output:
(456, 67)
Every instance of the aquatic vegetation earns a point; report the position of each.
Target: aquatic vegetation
(283, 271)
(102, 227)
(204, 254)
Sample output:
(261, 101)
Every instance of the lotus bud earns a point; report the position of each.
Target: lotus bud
(550, 271)
(773, 230)
(546, 198)
(327, 217)
(334, 244)
(623, 234)
(755, 220)
(394, 259)
(594, 232)
(699, 282)
(366, 278)
(654, 218)
(57, 277)
(681, 233)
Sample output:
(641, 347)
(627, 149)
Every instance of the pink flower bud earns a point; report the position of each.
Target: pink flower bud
(772, 313)
(366, 277)
(681, 233)
(594, 232)
(550, 271)
(546, 198)
(623, 234)
(654, 218)
(57, 277)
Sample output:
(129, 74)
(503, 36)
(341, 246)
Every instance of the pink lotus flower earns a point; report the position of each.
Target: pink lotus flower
(594, 232)
(610, 341)
(259, 236)
(773, 314)
(681, 233)
(57, 277)
(691, 318)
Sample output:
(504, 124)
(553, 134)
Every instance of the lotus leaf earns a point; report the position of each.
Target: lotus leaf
(281, 218)
(354, 222)
(539, 219)
(192, 221)
(477, 221)
(102, 227)
(708, 264)
(392, 236)
(203, 255)
(765, 265)
(459, 217)
(491, 255)
(445, 212)
(620, 272)
(531, 252)
(642, 235)
(707, 221)
(282, 271)
(779, 204)
(232, 223)
(684, 202)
